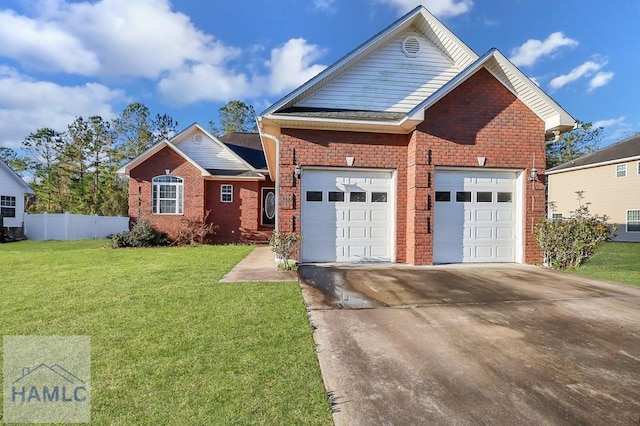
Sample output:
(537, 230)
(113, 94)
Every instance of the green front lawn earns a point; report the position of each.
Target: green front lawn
(169, 344)
(618, 262)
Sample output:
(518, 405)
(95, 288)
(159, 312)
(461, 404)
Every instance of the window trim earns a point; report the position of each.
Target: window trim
(11, 204)
(226, 189)
(634, 222)
(624, 172)
(179, 198)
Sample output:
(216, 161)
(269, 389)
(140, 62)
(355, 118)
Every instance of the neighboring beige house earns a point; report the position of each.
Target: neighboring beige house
(610, 179)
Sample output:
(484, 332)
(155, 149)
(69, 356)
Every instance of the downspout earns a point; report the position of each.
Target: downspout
(277, 182)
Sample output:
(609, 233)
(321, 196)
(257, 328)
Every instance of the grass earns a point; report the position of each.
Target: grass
(618, 262)
(170, 345)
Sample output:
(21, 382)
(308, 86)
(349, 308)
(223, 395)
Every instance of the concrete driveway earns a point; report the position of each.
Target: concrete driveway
(468, 345)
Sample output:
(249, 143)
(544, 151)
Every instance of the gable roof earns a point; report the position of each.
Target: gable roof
(210, 156)
(296, 110)
(625, 150)
(247, 146)
(14, 176)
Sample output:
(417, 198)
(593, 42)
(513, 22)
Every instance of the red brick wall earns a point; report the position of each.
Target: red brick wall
(238, 221)
(479, 118)
(140, 191)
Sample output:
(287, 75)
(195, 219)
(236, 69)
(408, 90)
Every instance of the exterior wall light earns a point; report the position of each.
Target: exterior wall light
(297, 171)
(533, 174)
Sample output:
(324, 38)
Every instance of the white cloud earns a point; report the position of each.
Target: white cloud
(532, 50)
(585, 70)
(600, 79)
(289, 66)
(44, 45)
(609, 122)
(203, 82)
(440, 8)
(26, 105)
(292, 64)
(108, 37)
(324, 5)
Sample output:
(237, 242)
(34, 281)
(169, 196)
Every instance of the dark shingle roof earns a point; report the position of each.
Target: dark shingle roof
(344, 114)
(234, 173)
(248, 146)
(626, 148)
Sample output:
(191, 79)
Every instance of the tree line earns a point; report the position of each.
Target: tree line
(75, 170)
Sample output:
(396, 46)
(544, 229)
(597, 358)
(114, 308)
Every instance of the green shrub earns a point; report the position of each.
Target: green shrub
(141, 234)
(569, 242)
(283, 245)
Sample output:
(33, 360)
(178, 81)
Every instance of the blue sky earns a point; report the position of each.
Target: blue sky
(60, 59)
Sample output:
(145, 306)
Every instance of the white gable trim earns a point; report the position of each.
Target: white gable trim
(560, 120)
(16, 177)
(419, 16)
(126, 169)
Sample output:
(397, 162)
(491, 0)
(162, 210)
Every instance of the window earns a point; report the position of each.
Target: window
(484, 197)
(336, 196)
(556, 217)
(443, 196)
(639, 167)
(378, 197)
(463, 197)
(358, 197)
(621, 170)
(633, 220)
(504, 197)
(7, 206)
(226, 193)
(314, 195)
(167, 195)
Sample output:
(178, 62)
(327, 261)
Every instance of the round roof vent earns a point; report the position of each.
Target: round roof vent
(197, 139)
(411, 46)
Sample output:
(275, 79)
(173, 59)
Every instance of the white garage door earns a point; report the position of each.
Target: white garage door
(475, 217)
(347, 216)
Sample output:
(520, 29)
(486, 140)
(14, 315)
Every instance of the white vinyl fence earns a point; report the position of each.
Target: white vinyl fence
(66, 226)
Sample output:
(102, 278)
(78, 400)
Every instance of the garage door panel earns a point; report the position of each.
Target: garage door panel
(484, 252)
(504, 215)
(379, 232)
(484, 215)
(357, 214)
(379, 216)
(505, 233)
(357, 232)
(484, 232)
(362, 219)
(476, 220)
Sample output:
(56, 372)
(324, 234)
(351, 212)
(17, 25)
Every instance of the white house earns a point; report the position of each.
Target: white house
(12, 200)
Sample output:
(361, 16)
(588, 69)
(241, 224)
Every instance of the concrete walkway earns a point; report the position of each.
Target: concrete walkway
(259, 265)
